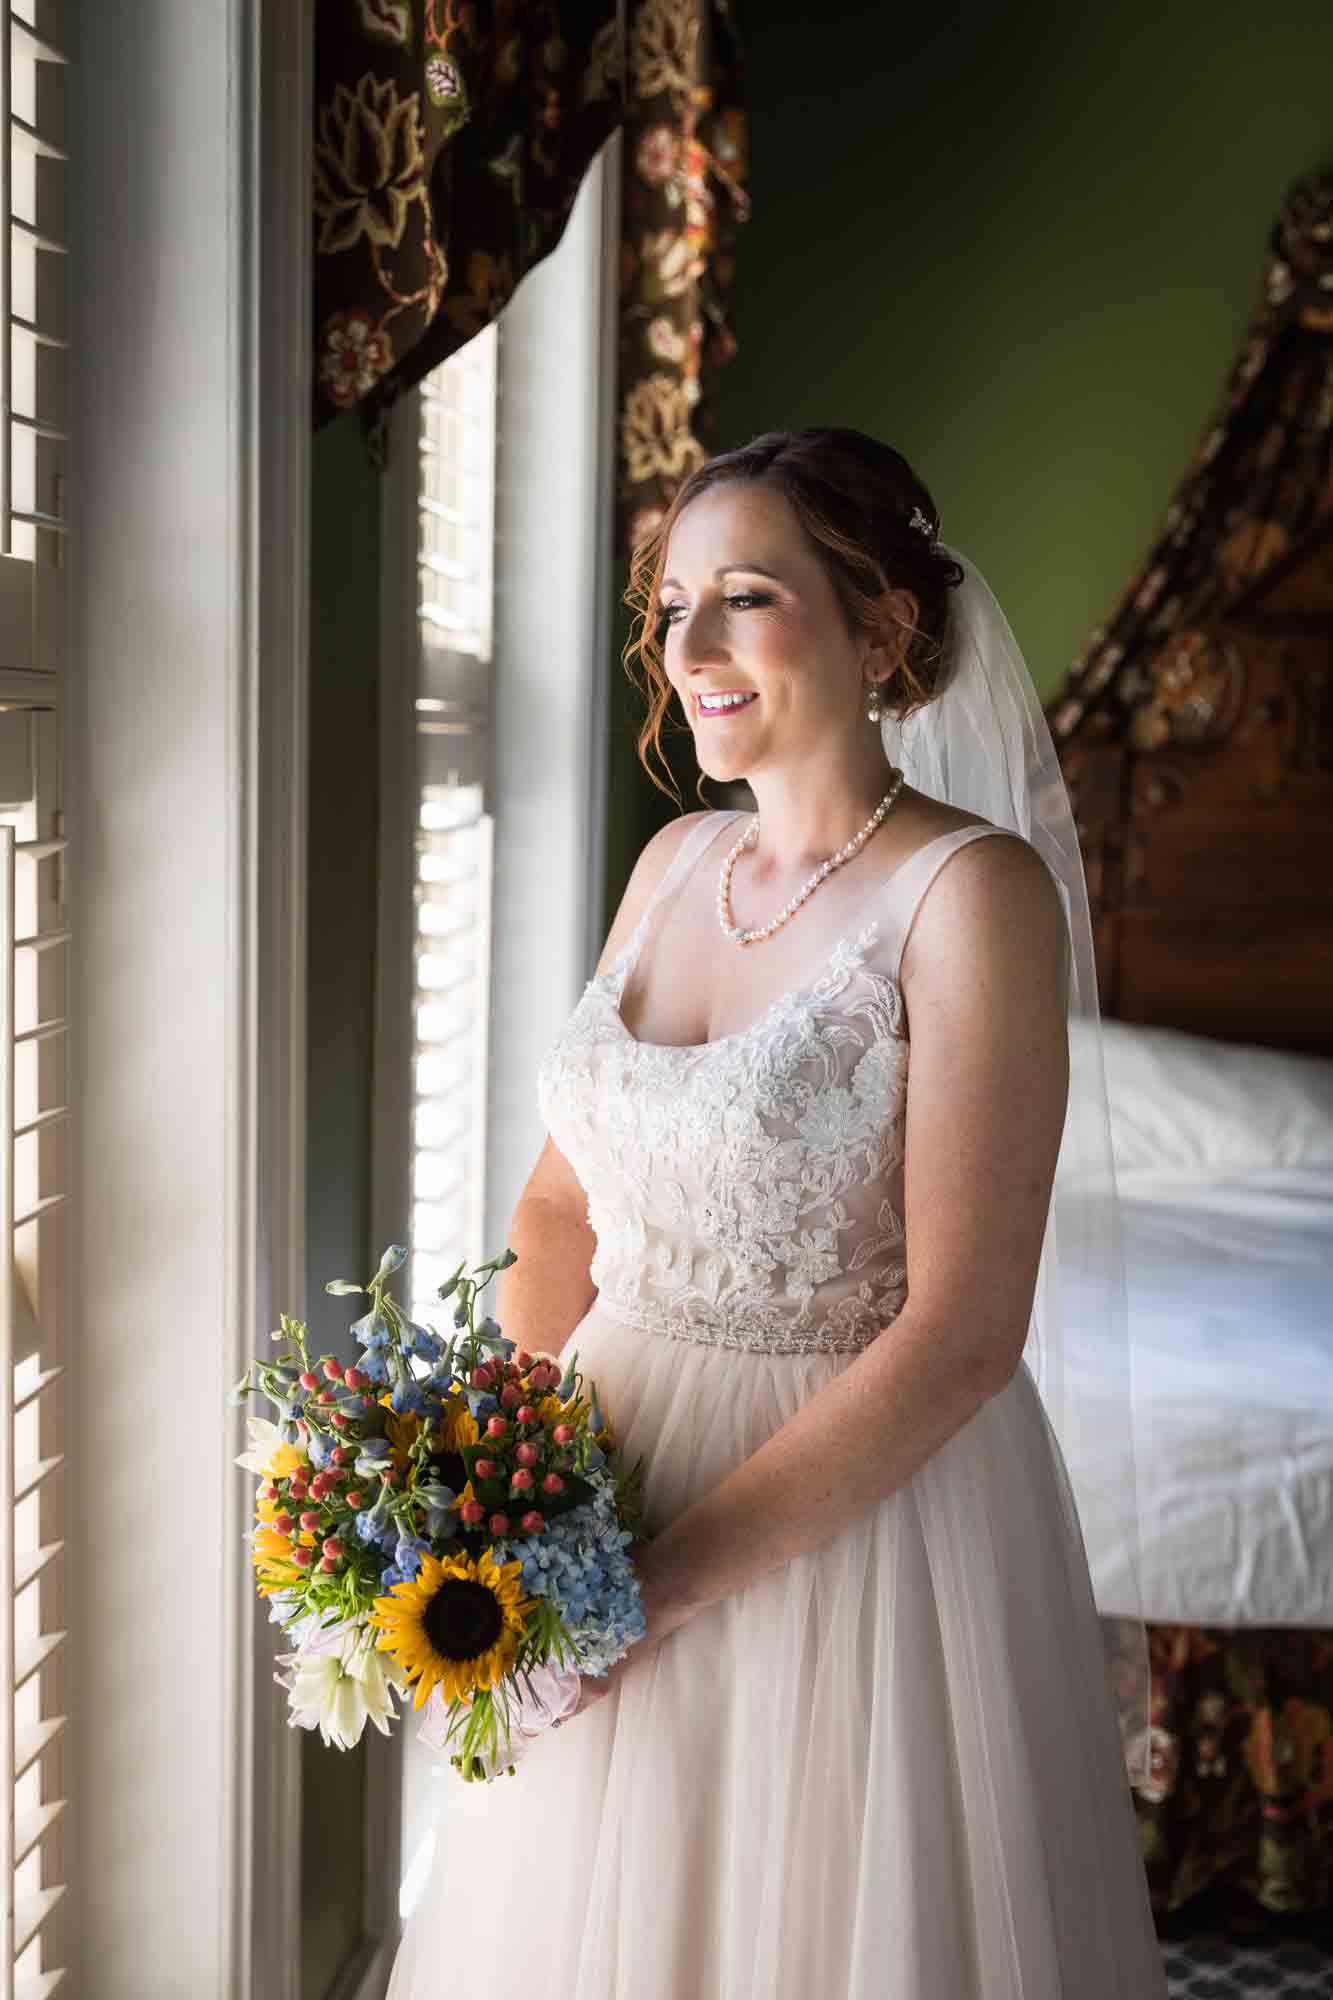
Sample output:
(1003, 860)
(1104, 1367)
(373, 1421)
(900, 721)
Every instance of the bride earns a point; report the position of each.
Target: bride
(804, 1125)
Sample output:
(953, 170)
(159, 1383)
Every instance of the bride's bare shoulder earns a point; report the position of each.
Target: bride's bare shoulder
(921, 818)
(655, 857)
(915, 821)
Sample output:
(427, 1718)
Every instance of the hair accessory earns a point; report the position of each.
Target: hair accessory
(917, 520)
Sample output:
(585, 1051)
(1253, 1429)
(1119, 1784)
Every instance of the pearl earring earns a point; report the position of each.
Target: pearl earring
(872, 712)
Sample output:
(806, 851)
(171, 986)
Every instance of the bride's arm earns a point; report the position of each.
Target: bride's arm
(986, 1095)
(541, 1297)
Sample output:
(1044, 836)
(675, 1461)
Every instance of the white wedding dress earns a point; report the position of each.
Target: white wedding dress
(889, 1769)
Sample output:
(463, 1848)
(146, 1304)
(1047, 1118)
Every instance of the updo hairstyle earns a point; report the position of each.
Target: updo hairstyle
(855, 498)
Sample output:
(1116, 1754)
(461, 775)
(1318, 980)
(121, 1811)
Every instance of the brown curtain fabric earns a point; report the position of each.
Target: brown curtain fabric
(450, 142)
(1240, 1792)
(683, 199)
(1256, 483)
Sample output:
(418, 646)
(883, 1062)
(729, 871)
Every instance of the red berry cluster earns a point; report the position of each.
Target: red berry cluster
(520, 1447)
(329, 1482)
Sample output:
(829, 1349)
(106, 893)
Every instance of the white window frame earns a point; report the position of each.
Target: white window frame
(554, 627)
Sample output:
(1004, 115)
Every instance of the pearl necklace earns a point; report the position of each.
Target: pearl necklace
(748, 839)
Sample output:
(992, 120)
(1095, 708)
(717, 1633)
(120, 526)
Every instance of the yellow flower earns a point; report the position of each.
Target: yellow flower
(267, 1511)
(456, 1427)
(284, 1461)
(403, 1432)
(457, 1624)
(271, 1554)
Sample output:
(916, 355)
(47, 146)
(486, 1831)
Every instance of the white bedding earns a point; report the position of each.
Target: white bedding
(1230, 1285)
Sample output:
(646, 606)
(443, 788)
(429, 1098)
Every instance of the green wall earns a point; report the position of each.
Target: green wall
(1022, 245)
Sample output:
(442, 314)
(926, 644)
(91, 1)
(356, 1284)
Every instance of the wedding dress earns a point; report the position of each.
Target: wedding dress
(888, 1769)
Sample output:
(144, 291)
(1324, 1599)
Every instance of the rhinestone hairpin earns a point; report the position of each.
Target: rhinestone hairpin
(918, 521)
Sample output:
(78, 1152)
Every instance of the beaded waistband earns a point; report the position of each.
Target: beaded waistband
(775, 1338)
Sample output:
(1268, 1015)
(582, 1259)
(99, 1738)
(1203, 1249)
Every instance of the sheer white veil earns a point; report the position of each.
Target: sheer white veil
(984, 745)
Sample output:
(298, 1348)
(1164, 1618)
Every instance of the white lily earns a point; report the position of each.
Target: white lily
(264, 1441)
(337, 1689)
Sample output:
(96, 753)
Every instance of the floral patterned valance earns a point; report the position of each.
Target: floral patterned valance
(450, 142)
(1258, 480)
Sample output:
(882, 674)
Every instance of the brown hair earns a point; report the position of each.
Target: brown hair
(854, 497)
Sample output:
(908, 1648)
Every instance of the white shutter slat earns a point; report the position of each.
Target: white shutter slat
(28, 135)
(40, 1208)
(37, 333)
(33, 1389)
(30, 1827)
(31, 1912)
(43, 1032)
(29, 1658)
(29, 1566)
(39, 47)
(27, 1478)
(29, 1743)
(40, 1985)
(43, 1122)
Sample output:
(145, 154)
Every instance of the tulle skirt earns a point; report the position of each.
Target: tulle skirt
(888, 1768)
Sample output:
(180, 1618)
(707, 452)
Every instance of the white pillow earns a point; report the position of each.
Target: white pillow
(1195, 1107)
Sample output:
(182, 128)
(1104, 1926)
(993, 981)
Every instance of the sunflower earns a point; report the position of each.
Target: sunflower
(455, 1427)
(457, 1623)
(403, 1431)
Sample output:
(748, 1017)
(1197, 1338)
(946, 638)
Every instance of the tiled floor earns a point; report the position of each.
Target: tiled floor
(1220, 1948)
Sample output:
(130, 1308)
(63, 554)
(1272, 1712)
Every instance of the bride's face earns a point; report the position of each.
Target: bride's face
(748, 608)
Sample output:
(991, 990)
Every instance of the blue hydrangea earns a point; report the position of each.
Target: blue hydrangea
(581, 1563)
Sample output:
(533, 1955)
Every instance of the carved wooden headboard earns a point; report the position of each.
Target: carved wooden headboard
(1210, 856)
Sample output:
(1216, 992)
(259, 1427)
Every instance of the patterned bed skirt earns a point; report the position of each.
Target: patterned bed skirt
(1241, 1786)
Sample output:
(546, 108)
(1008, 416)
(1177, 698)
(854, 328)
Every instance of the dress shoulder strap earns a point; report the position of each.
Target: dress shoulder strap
(907, 886)
(701, 835)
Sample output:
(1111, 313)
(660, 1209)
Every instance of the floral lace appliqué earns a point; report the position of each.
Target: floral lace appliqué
(745, 1192)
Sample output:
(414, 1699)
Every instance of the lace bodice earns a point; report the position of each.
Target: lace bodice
(748, 1191)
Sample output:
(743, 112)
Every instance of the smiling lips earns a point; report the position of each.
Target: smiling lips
(724, 701)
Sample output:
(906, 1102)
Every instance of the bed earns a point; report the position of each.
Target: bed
(1208, 844)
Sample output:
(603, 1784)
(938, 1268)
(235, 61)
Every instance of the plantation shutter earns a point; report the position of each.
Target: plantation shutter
(453, 836)
(34, 944)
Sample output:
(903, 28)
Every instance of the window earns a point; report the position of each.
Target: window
(452, 886)
(497, 634)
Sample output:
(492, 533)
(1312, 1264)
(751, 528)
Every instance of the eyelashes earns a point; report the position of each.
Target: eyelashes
(755, 597)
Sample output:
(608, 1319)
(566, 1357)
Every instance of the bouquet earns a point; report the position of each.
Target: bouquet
(446, 1512)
